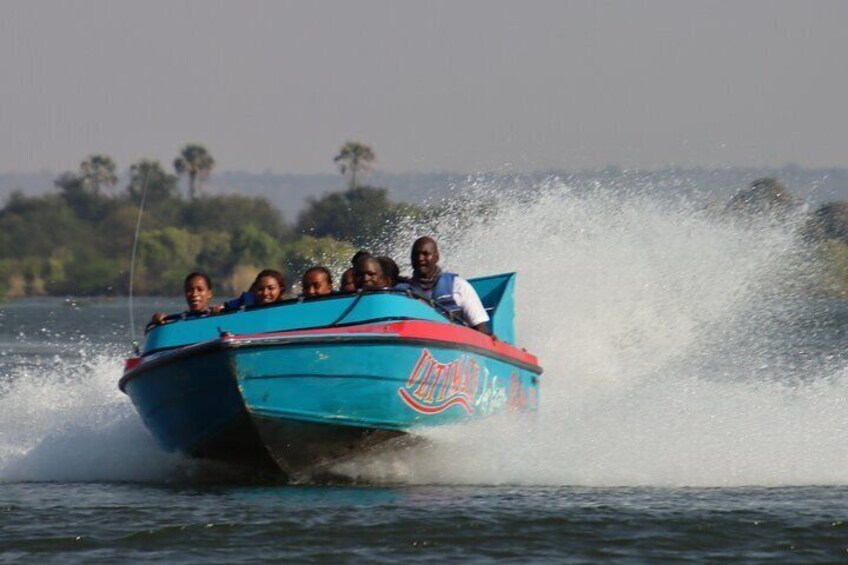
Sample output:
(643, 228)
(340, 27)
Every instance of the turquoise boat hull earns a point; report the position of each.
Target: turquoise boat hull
(300, 386)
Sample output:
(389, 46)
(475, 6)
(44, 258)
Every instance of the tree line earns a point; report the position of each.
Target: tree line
(821, 263)
(77, 239)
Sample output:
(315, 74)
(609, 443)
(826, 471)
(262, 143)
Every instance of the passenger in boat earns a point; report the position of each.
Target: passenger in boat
(268, 288)
(348, 282)
(359, 255)
(197, 288)
(368, 273)
(391, 272)
(317, 281)
(448, 289)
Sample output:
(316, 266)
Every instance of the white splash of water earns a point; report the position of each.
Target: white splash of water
(640, 313)
(67, 421)
(634, 308)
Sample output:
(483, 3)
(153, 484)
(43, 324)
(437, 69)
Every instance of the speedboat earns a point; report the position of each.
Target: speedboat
(302, 384)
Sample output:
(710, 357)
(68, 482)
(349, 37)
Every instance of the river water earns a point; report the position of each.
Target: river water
(693, 409)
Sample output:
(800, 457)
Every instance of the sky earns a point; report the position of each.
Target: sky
(435, 86)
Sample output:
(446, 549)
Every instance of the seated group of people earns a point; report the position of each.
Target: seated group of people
(452, 292)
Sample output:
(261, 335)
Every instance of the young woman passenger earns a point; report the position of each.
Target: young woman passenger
(268, 288)
(317, 281)
(197, 289)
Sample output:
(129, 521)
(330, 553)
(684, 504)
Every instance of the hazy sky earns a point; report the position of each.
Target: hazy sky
(432, 86)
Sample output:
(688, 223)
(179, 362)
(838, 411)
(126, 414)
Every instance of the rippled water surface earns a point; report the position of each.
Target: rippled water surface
(102, 522)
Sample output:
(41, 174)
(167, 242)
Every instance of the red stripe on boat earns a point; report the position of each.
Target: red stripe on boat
(413, 329)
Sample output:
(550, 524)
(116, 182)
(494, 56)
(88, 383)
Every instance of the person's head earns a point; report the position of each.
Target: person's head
(317, 281)
(425, 257)
(359, 255)
(269, 286)
(391, 272)
(368, 273)
(348, 282)
(198, 291)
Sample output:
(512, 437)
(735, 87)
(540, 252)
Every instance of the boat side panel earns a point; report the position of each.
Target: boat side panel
(381, 386)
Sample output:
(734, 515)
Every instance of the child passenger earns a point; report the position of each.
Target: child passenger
(348, 282)
(197, 288)
(391, 272)
(317, 281)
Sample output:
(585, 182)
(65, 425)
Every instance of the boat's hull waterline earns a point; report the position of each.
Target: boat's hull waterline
(298, 400)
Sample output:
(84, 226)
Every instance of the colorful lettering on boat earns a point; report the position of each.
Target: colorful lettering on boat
(492, 396)
(433, 387)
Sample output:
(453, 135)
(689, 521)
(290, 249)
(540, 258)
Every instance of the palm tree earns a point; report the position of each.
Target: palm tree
(196, 162)
(97, 171)
(354, 159)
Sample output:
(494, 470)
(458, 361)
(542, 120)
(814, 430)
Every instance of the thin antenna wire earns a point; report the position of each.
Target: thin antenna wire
(132, 259)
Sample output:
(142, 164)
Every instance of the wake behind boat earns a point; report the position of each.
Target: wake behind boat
(301, 384)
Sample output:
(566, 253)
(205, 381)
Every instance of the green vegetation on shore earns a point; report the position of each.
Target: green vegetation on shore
(77, 241)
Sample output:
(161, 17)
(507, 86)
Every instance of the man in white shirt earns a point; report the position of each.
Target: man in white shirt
(448, 289)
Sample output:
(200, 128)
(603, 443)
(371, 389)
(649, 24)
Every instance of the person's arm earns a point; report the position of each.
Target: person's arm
(472, 308)
(484, 328)
(245, 299)
(159, 318)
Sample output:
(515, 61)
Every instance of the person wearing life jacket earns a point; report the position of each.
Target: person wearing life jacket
(448, 289)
